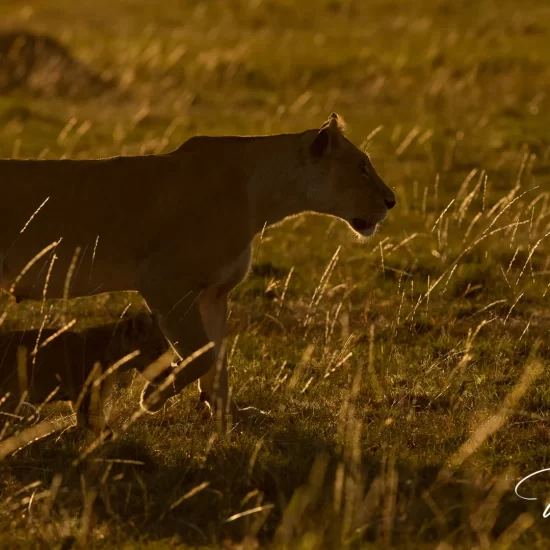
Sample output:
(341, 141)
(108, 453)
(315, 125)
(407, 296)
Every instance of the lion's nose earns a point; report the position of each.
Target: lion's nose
(390, 203)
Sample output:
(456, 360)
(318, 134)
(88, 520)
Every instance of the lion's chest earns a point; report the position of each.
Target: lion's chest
(232, 272)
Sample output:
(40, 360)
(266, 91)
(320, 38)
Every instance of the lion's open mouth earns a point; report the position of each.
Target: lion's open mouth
(364, 227)
(359, 224)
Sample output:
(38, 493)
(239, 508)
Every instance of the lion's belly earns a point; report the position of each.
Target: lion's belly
(74, 268)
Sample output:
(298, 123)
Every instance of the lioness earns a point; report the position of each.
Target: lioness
(177, 228)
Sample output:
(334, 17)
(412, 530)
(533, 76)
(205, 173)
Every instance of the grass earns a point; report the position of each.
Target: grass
(407, 378)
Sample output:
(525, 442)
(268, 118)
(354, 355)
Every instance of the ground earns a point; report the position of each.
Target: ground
(406, 378)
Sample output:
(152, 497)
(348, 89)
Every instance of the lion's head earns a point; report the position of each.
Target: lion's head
(343, 182)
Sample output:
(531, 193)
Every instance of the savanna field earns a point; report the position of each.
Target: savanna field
(406, 377)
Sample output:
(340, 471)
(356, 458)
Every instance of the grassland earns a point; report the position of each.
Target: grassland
(407, 378)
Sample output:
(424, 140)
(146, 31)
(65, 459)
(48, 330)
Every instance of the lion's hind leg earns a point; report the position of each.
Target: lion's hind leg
(183, 327)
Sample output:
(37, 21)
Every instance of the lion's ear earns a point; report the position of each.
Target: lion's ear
(329, 136)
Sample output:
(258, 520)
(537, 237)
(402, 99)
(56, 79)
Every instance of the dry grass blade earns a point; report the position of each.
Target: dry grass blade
(157, 367)
(30, 435)
(191, 493)
(318, 293)
(31, 262)
(442, 214)
(285, 288)
(115, 366)
(532, 370)
(405, 144)
(55, 335)
(264, 508)
(298, 371)
(34, 214)
(531, 255)
(172, 377)
(70, 273)
(514, 531)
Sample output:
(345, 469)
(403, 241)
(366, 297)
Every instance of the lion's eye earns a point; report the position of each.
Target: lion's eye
(365, 171)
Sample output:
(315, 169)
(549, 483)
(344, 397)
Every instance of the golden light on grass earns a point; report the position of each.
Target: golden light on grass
(405, 392)
(532, 370)
(30, 435)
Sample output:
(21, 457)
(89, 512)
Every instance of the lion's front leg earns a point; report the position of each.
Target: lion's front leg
(214, 385)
